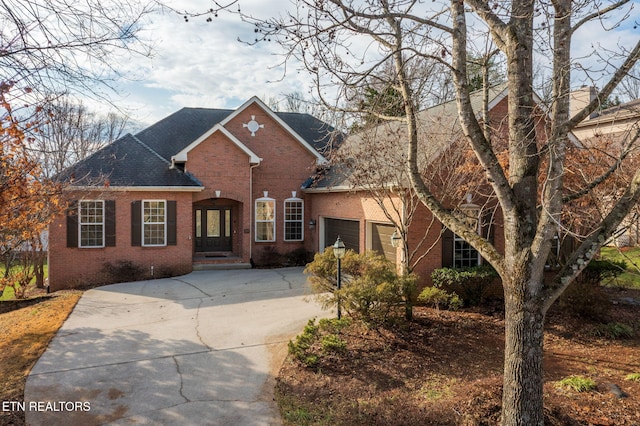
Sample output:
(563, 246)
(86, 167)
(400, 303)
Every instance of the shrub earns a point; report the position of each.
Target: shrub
(123, 271)
(585, 297)
(301, 348)
(371, 289)
(297, 257)
(269, 257)
(317, 340)
(613, 330)
(633, 377)
(332, 343)
(577, 384)
(471, 284)
(599, 270)
(439, 298)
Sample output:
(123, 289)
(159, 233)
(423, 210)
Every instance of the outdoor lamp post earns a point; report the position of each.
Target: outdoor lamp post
(338, 252)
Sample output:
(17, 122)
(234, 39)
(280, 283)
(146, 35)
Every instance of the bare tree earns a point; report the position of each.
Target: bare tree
(68, 132)
(53, 46)
(342, 42)
(629, 88)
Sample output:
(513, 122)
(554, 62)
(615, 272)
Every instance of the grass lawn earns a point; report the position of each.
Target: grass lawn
(631, 277)
(27, 327)
(8, 293)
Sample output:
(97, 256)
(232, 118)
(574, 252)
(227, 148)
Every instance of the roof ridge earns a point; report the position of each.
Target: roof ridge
(164, 160)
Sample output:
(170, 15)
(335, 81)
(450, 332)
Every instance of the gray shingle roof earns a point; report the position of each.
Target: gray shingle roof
(438, 127)
(145, 159)
(126, 162)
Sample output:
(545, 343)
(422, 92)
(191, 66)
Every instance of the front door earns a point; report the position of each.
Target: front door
(213, 229)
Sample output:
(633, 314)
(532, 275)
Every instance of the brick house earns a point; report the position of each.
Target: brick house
(235, 188)
(199, 188)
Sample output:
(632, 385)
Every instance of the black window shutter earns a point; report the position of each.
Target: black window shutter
(172, 231)
(136, 223)
(72, 224)
(447, 248)
(110, 223)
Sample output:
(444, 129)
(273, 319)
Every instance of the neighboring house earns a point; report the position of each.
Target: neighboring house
(611, 129)
(200, 188)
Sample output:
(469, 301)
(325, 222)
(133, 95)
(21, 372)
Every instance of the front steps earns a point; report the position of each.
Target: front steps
(218, 260)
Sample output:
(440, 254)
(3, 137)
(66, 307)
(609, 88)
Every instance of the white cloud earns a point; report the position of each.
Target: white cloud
(202, 64)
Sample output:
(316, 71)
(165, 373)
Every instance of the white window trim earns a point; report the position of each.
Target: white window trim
(153, 223)
(456, 238)
(80, 224)
(284, 231)
(256, 221)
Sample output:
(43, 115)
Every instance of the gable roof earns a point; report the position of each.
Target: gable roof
(182, 155)
(311, 133)
(146, 159)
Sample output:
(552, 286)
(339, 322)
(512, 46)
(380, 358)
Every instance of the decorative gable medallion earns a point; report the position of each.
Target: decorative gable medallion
(253, 125)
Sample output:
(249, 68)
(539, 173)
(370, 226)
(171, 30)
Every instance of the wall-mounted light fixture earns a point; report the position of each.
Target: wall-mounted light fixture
(396, 239)
(312, 224)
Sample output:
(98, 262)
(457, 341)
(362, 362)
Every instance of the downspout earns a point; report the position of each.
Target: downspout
(251, 221)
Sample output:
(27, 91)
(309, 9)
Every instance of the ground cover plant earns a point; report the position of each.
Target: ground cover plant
(445, 368)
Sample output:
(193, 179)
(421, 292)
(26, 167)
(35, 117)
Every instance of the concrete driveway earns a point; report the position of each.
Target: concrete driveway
(198, 349)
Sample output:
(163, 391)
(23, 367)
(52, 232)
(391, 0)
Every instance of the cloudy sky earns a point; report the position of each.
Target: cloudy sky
(201, 64)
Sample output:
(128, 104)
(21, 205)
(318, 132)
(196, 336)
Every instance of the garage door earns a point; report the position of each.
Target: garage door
(348, 230)
(381, 240)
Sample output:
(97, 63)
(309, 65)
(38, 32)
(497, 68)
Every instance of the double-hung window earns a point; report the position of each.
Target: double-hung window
(91, 223)
(293, 219)
(265, 219)
(464, 255)
(154, 223)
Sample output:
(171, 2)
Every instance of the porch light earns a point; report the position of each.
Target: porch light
(312, 224)
(338, 252)
(396, 239)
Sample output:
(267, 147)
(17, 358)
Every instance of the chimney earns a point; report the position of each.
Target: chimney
(580, 98)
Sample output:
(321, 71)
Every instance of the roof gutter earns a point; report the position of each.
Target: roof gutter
(135, 188)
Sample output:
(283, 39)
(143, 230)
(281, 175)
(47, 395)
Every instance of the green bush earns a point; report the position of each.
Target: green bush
(301, 347)
(471, 284)
(317, 340)
(439, 298)
(613, 330)
(371, 289)
(577, 384)
(599, 270)
(635, 377)
(332, 343)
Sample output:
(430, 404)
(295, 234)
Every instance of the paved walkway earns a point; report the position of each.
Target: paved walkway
(198, 349)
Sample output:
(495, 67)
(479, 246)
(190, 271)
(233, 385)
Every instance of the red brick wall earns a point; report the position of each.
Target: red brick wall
(220, 165)
(285, 165)
(76, 267)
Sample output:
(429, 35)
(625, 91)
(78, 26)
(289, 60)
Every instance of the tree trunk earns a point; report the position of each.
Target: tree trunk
(522, 402)
(38, 267)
